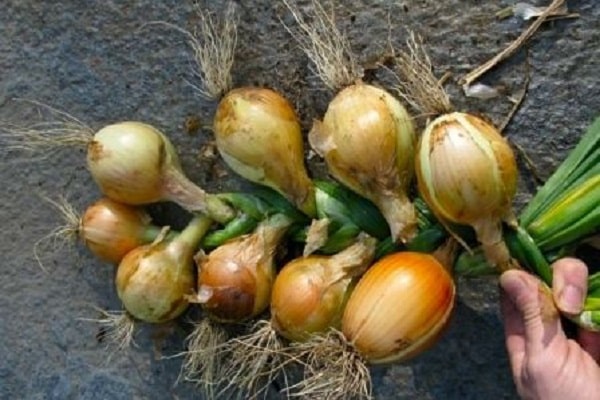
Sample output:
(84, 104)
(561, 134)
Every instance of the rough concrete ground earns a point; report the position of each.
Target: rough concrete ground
(97, 61)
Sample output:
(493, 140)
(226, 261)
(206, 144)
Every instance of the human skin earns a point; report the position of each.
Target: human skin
(545, 363)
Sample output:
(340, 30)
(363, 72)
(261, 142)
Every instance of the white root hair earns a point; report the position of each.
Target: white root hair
(204, 357)
(117, 329)
(333, 370)
(255, 360)
(417, 85)
(66, 233)
(213, 43)
(59, 129)
(328, 48)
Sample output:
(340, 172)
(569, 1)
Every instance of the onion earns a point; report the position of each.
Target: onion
(467, 174)
(366, 136)
(235, 279)
(111, 230)
(367, 139)
(310, 293)
(258, 135)
(398, 309)
(154, 281)
(133, 163)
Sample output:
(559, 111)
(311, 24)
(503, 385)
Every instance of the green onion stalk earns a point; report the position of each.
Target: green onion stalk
(564, 212)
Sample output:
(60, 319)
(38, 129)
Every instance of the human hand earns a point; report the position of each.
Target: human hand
(545, 363)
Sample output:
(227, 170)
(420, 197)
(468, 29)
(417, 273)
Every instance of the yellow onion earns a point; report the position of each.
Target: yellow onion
(235, 279)
(134, 163)
(399, 307)
(111, 230)
(466, 172)
(258, 135)
(367, 139)
(310, 293)
(154, 281)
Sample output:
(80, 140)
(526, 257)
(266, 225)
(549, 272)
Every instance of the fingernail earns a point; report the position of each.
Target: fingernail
(571, 299)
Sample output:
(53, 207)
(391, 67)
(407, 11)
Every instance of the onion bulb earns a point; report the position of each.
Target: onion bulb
(258, 135)
(398, 309)
(310, 293)
(467, 174)
(134, 163)
(235, 279)
(367, 139)
(154, 281)
(111, 230)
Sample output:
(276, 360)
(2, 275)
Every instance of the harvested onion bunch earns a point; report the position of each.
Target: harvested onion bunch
(308, 298)
(366, 136)
(375, 329)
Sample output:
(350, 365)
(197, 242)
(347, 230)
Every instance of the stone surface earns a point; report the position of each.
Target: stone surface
(99, 62)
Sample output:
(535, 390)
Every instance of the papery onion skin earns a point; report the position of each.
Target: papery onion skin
(399, 308)
(467, 174)
(111, 229)
(258, 135)
(310, 293)
(126, 160)
(154, 281)
(134, 163)
(235, 279)
(367, 139)
(466, 171)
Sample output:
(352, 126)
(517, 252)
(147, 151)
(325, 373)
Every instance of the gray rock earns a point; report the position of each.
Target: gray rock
(100, 63)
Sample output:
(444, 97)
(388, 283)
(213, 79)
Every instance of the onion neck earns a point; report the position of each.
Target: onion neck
(273, 229)
(179, 189)
(489, 234)
(352, 261)
(400, 215)
(193, 232)
(151, 232)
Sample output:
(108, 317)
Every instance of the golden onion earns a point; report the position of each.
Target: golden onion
(399, 307)
(467, 174)
(367, 139)
(235, 279)
(310, 293)
(111, 230)
(154, 281)
(134, 163)
(258, 135)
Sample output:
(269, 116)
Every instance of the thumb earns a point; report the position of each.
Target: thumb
(535, 308)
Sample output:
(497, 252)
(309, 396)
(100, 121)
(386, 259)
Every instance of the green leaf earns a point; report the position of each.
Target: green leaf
(580, 161)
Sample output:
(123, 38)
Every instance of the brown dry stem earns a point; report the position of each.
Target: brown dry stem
(58, 130)
(476, 73)
(213, 43)
(328, 48)
(334, 370)
(255, 360)
(205, 356)
(117, 329)
(66, 233)
(417, 84)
